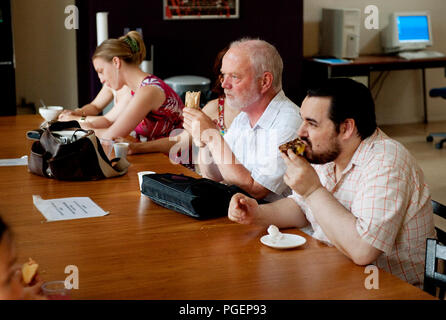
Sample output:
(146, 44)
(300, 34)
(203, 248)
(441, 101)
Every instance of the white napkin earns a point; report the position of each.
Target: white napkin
(23, 161)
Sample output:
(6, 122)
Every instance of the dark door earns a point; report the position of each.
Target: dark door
(7, 70)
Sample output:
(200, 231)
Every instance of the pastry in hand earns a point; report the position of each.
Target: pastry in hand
(192, 99)
(29, 271)
(297, 146)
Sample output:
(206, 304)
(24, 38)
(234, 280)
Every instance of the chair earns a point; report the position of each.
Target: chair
(182, 84)
(437, 92)
(440, 210)
(432, 278)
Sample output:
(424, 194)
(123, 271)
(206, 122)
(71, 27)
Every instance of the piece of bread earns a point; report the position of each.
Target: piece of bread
(192, 99)
(29, 270)
(297, 146)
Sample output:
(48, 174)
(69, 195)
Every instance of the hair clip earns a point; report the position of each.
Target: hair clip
(132, 43)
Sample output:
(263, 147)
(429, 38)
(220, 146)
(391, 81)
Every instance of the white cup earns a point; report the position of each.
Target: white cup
(50, 113)
(142, 173)
(121, 149)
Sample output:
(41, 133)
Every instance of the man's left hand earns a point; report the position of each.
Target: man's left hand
(300, 175)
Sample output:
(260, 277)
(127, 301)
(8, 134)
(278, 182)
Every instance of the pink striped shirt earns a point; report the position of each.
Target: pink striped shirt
(384, 188)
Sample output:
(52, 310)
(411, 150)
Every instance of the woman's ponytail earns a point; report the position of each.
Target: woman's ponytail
(129, 48)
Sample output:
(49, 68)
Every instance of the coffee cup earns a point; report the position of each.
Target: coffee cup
(121, 149)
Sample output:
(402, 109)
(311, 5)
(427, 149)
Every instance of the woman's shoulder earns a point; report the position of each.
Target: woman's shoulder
(151, 83)
(211, 109)
(150, 80)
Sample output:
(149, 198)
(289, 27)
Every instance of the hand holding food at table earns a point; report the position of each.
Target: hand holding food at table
(300, 175)
(32, 281)
(17, 282)
(196, 122)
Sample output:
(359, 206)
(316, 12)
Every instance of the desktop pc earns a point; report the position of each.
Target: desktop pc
(339, 32)
(408, 34)
(404, 41)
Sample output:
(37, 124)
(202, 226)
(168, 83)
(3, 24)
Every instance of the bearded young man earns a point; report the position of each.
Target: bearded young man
(248, 154)
(358, 189)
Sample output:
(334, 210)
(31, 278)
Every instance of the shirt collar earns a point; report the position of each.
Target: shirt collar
(271, 112)
(363, 149)
(358, 157)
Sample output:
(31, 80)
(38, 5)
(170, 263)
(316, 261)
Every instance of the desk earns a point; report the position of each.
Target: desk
(362, 66)
(143, 251)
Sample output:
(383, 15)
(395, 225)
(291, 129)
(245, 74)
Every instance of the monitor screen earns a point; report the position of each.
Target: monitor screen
(413, 28)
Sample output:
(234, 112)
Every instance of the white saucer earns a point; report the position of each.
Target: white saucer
(286, 242)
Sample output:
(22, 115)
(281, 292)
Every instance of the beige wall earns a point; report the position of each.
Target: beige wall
(400, 100)
(46, 55)
(45, 52)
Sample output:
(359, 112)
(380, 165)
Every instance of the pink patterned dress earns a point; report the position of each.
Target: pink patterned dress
(159, 123)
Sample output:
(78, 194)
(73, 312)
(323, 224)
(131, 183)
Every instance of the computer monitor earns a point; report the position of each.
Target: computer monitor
(407, 31)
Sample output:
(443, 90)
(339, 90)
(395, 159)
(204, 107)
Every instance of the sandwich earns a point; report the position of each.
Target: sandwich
(192, 99)
(29, 271)
(297, 146)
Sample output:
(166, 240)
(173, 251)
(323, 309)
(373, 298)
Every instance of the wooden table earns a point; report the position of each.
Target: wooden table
(143, 251)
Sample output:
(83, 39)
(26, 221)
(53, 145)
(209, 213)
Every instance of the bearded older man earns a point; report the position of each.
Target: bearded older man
(248, 154)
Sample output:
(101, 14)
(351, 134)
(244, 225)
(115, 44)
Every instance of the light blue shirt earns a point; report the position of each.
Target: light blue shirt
(257, 148)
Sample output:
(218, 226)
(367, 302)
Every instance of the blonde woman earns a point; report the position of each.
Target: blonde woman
(217, 110)
(153, 110)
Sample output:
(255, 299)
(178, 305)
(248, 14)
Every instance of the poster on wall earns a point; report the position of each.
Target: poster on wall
(200, 9)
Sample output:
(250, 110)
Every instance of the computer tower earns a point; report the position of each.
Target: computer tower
(339, 36)
(7, 69)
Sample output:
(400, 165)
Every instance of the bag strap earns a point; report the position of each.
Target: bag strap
(74, 136)
(108, 168)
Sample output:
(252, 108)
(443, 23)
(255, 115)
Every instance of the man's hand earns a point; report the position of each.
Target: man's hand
(33, 291)
(300, 175)
(196, 122)
(243, 209)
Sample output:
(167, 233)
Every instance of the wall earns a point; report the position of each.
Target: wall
(400, 99)
(45, 52)
(190, 47)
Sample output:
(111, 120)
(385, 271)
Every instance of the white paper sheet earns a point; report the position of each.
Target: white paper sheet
(23, 161)
(68, 208)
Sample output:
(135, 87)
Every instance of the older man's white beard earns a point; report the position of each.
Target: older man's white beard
(243, 102)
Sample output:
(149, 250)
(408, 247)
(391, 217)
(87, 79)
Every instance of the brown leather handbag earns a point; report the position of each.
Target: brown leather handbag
(65, 151)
